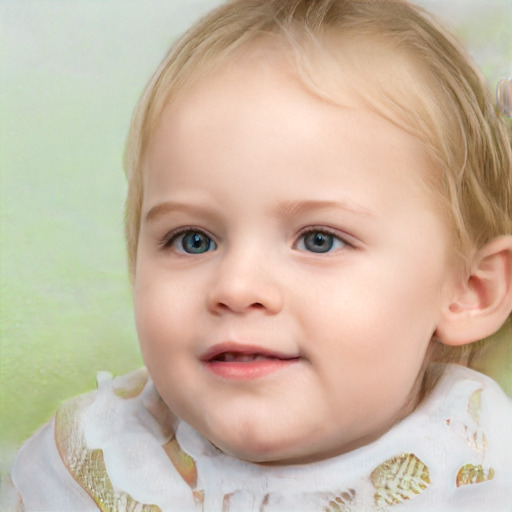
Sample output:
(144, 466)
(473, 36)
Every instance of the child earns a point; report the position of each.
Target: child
(319, 222)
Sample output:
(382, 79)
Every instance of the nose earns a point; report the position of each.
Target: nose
(245, 283)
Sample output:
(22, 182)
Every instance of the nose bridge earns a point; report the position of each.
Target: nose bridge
(246, 279)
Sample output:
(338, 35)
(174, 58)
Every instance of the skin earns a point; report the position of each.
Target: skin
(252, 160)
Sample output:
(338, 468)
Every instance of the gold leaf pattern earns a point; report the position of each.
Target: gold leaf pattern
(470, 474)
(470, 430)
(182, 461)
(88, 466)
(475, 437)
(342, 502)
(130, 385)
(399, 479)
(199, 500)
(475, 405)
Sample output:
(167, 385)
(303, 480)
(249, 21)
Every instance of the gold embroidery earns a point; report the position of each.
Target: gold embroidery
(341, 503)
(182, 461)
(131, 385)
(475, 405)
(88, 466)
(199, 500)
(475, 438)
(470, 474)
(399, 479)
(470, 431)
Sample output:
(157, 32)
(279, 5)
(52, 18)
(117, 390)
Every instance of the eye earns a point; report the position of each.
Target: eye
(319, 242)
(191, 242)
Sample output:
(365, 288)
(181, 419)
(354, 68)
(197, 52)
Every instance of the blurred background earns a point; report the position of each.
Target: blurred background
(71, 74)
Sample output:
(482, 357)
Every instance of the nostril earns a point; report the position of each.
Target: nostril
(225, 306)
(236, 297)
(255, 305)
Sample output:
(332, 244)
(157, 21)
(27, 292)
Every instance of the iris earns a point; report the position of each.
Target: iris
(195, 242)
(316, 241)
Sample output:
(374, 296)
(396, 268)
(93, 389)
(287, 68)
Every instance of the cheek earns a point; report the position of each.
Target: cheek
(148, 320)
(154, 317)
(376, 339)
(166, 307)
(379, 317)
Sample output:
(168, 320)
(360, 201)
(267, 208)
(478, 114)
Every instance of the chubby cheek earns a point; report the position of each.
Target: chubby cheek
(160, 299)
(158, 330)
(156, 317)
(376, 339)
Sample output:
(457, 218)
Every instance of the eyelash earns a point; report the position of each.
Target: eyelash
(172, 237)
(322, 230)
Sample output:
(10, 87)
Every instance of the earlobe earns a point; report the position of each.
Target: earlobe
(482, 303)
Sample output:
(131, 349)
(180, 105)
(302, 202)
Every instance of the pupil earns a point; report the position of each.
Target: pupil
(195, 243)
(319, 242)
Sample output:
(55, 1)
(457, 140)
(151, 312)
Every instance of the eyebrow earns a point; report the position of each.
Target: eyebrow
(286, 209)
(292, 208)
(162, 209)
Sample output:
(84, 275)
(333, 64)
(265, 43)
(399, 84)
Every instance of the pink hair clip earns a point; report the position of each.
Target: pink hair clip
(504, 96)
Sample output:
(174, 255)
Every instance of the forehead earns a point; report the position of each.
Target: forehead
(338, 70)
(351, 68)
(255, 112)
(262, 80)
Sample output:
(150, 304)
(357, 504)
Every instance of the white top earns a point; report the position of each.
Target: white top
(121, 449)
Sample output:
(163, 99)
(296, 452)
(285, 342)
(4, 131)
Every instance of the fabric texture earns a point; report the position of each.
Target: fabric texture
(121, 449)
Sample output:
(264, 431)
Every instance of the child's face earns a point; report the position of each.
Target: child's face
(291, 268)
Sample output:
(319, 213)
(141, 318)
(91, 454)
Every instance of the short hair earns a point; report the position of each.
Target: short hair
(427, 84)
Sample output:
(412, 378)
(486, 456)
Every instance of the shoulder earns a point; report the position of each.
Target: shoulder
(468, 418)
(76, 461)
(41, 481)
(454, 452)
(466, 393)
(471, 407)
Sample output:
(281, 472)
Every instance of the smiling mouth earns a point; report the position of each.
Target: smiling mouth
(245, 362)
(235, 357)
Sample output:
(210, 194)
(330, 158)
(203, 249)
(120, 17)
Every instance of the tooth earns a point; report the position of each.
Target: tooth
(230, 357)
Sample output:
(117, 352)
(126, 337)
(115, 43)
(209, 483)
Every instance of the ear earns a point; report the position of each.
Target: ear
(482, 302)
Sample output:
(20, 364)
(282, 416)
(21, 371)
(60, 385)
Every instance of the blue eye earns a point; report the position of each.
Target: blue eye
(192, 242)
(319, 242)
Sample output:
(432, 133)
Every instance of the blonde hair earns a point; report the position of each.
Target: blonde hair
(428, 86)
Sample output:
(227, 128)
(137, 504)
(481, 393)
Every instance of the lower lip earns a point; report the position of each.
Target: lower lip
(249, 370)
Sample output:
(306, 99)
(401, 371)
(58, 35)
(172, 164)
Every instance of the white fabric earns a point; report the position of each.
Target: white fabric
(466, 420)
(43, 481)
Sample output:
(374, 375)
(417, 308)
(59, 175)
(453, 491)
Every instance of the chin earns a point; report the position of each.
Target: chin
(254, 446)
(263, 438)
(275, 455)
(256, 454)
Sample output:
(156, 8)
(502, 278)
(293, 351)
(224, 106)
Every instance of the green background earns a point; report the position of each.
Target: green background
(71, 73)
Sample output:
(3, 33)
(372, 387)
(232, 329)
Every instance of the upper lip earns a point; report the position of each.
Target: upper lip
(244, 349)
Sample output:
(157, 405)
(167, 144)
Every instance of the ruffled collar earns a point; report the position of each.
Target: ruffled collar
(452, 452)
